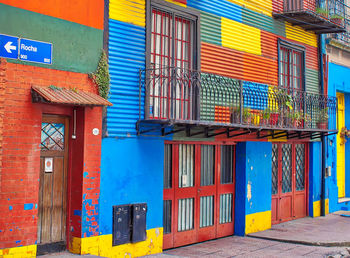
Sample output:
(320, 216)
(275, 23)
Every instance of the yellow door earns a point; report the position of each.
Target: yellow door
(340, 147)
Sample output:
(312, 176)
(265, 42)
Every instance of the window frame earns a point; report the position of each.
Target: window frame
(293, 47)
(175, 10)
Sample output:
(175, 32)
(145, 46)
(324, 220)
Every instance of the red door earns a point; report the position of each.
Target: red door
(199, 205)
(289, 181)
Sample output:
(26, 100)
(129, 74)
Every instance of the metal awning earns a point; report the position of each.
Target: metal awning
(64, 96)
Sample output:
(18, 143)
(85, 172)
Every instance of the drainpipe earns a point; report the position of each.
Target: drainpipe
(323, 143)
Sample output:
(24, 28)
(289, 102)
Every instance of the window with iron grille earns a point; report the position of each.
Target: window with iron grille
(291, 66)
(172, 41)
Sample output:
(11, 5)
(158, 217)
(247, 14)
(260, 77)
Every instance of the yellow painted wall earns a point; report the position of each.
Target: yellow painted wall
(299, 34)
(174, 2)
(257, 222)
(129, 11)
(260, 6)
(317, 208)
(340, 147)
(102, 245)
(19, 252)
(239, 36)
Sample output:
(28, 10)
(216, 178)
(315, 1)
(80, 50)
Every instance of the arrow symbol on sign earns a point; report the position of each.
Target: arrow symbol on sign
(8, 46)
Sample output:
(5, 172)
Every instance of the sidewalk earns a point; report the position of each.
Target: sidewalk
(331, 230)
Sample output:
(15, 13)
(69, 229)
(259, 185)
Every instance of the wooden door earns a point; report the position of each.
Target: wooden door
(199, 205)
(289, 181)
(340, 147)
(53, 180)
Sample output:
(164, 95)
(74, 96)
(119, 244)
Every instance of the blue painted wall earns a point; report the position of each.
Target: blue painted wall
(338, 82)
(314, 175)
(131, 172)
(254, 168)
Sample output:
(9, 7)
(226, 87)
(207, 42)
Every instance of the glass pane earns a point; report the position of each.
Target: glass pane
(168, 166)
(286, 168)
(185, 216)
(52, 136)
(300, 167)
(226, 208)
(206, 211)
(207, 165)
(186, 165)
(226, 176)
(167, 216)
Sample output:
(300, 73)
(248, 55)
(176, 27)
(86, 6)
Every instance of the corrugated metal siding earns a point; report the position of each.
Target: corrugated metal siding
(260, 69)
(178, 2)
(129, 11)
(312, 81)
(222, 8)
(206, 211)
(263, 22)
(277, 6)
(239, 36)
(210, 28)
(300, 35)
(186, 165)
(185, 214)
(207, 165)
(269, 45)
(260, 6)
(223, 61)
(225, 208)
(311, 57)
(126, 57)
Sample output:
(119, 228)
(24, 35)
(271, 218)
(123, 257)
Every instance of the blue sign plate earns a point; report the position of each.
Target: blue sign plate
(8, 46)
(35, 51)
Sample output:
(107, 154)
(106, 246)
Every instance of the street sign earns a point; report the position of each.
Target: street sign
(35, 51)
(8, 46)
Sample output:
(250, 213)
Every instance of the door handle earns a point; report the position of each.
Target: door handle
(199, 190)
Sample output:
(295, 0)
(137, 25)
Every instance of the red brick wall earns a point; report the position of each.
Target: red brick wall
(20, 145)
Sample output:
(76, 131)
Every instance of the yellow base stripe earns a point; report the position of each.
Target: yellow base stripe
(19, 252)
(317, 208)
(257, 222)
(102, 245)
(174, 2)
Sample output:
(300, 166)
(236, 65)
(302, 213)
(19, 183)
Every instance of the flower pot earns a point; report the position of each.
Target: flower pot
(322, 125)
(338, 21)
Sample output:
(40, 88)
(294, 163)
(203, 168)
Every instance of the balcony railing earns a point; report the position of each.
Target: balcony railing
(320, 16)
(181, 96)
(344, 37)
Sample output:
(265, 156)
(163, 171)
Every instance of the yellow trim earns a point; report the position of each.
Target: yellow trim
(317, 208)
(102, 245)
(239, 36)
(257, 222)
(340, 147)
(19, 252)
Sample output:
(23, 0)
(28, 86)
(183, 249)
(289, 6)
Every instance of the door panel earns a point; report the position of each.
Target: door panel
(200, 205)
(289, 181)
(53, 177)
(340, 147)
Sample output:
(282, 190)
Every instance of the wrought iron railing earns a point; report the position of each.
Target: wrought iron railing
(182, 95)
(344, 37)
(336, 11)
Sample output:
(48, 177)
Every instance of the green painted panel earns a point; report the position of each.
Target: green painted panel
(76, 47)
(312, 81)
(210, 28)
(263, 22)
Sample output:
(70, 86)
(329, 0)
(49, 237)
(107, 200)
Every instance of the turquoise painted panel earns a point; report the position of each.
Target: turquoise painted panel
(221, 8)
(210, 28)
(126, 58)
(263, 22)
(131, 172)
(76, 47)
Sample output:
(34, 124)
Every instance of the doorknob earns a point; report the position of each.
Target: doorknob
(199, 190)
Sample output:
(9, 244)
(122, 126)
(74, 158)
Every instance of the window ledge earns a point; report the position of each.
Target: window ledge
(345, 199)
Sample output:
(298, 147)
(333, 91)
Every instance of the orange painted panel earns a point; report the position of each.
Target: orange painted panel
(222, 61)
(260, 69)
(311, 57)
(85, 12)
(277, 6)
(269, 45)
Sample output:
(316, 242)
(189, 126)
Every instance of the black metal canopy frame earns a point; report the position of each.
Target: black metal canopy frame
(174, 100)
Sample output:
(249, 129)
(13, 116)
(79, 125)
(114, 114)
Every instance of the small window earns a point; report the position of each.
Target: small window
(291, 66)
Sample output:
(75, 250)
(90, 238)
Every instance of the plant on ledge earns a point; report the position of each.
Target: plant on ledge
(322, 119)
(337, 19)
(322, 11)
(101, 76)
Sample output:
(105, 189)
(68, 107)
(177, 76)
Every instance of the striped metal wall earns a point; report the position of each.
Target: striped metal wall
(238, 40)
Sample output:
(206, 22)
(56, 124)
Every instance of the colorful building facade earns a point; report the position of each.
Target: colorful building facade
(51, 123)
(215, 123)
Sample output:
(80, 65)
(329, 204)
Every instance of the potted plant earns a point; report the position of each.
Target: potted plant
(235, 115)
(265, 116)
(247, 116)
(322, 120)
(344, 134)
(322, 11)
(298, 119)
(337, 19)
